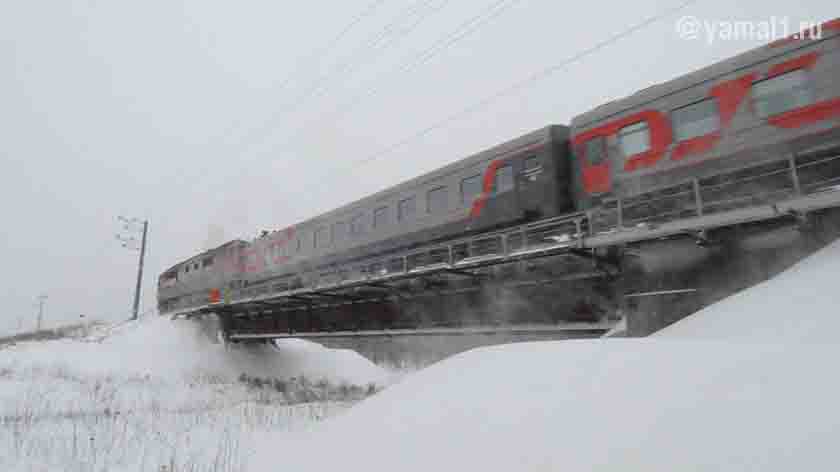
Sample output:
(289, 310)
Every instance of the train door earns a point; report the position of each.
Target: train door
(591, 179)
(534, 181)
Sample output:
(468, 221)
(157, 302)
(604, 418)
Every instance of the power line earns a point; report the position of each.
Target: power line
(317, 54)
(461, 32)
(332, 43)
(513, 88)
(375, 44)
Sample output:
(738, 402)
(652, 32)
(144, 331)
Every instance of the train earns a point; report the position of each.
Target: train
(753, 118)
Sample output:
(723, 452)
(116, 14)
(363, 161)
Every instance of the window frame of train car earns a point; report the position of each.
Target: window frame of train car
(589, 145)
(527, 160)
(384, 211)
(806, 85)
(633, 129)
(441, 189)
(511, 181)
(402, 215)
(321, 237)
(339, 236)
(473, 181)
(357, 224)
(677, 124)
(168, 279)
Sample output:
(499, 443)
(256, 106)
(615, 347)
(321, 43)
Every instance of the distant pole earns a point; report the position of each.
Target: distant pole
(136, 308)
(41, 300)
(129, 241)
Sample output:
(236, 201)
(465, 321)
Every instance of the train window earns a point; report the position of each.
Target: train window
(380, 217)
(595, 151)
(322, 237)
(339, 231)
(634, 139)
(470, 188)
(532, 163)
(698, 119)
(406, 209)
(782, 93)
(357, 225)
(436, 200)
(503, 179)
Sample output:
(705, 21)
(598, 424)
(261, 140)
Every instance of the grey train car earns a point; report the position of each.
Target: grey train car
(733, 127)
(522, 180)
(722, 137)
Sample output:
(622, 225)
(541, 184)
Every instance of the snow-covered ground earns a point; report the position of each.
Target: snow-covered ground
(747, 384)
(144, 396)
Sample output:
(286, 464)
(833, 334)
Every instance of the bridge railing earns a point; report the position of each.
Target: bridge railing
(760, 184)
(467, 250)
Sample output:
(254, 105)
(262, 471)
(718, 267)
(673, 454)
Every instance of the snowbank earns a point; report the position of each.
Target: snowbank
(157, 395)
(161, 348)
(750, 391)
(798, 305)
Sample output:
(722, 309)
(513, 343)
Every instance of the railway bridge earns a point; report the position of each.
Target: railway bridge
(642, 263)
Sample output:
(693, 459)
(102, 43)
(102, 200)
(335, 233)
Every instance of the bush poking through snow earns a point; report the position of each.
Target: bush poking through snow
(301, 390)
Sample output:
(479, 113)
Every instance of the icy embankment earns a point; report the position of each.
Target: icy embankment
(746, 384)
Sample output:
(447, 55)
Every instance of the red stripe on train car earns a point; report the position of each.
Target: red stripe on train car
(487, 188)
(806, 61)
(807, 115)
(490, 175)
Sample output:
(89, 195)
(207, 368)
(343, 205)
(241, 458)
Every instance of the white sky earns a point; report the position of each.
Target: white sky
(196, 114)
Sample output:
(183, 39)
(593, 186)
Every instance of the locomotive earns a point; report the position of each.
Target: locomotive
(756, 129)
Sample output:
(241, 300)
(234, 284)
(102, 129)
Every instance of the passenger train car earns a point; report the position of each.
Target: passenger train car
(766, 106)
(521, 180)
(649, 157)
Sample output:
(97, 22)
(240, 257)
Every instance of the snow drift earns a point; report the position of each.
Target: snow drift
(162, 348)
(744, 385)
(798, 305)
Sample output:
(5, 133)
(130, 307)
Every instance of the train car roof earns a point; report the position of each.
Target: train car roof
(698, 77)
(546, 134)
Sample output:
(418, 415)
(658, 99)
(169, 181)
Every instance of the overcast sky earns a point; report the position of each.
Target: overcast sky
(247, 115)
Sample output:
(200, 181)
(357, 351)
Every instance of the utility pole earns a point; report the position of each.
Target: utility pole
(129, 241)
(41, 300)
